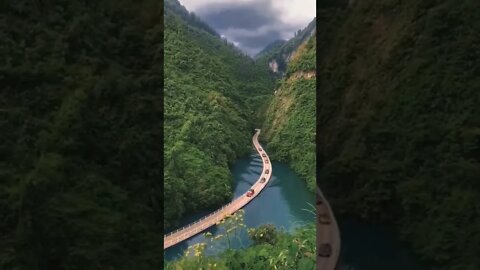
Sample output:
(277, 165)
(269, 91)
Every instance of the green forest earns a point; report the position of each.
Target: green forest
(212, 94)
(290, 118)
(281, 50)
(399, 118)
(80, 126)
(271, 249)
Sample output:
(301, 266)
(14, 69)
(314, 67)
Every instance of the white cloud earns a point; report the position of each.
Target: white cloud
(296, 12)
(194, 5)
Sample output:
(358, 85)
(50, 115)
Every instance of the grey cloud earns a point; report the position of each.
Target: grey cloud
(238, 18)
(241, 17)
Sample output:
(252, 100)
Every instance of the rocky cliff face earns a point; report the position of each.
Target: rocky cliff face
(273, 65)
(278, 54)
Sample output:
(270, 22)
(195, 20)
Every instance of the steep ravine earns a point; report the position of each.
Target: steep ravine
(290, 118)
(279, 53)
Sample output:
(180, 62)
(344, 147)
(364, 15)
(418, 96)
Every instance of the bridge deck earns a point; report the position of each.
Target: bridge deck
(215, 217)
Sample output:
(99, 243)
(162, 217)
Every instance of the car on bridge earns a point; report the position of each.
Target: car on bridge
(266, 161)
(267, 171)
(263, 155)
(250, 192)
(325, 250)
(262, 180)
(260, 149)
(323, 218)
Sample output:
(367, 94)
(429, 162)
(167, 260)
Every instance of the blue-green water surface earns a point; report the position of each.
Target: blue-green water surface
(285, 202)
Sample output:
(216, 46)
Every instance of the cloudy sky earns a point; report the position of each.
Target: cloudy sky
(253, 24)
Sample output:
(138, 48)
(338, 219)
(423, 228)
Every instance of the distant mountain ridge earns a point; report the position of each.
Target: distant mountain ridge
(277, 54)
(177, 8)
(277, 44)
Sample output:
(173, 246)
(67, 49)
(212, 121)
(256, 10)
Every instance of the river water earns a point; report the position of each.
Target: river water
(287, 203)
(373, 247)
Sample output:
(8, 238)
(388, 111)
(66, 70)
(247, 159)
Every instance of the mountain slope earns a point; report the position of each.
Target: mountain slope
(212, 93)
(274, 46)
(80, 122)
(289, 126)
(399, 121)
(277, 55)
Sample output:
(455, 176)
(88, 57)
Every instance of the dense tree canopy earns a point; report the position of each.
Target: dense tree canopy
(80, 126)
(281, 51)
(399, 120)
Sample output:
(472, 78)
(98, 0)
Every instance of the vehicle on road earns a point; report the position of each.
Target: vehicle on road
(263, 155)
(266, 161)
(267, 171)
(262, 180)
(323, 218)
(259, 149)
(325, 250)
(250, 192)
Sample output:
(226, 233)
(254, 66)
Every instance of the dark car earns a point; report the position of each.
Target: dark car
(325, 250)
(267, 171)
(259, 149)
(323, 218)
(262, 180)
(263, 155)
(250, 192)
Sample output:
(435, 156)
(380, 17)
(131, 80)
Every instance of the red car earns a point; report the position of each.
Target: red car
(250, 192)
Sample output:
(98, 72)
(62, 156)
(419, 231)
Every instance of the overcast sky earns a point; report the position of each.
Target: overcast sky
(253, 24)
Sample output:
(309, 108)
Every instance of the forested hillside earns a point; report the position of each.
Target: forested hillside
(80, 129)
(278, 54)
(399, 121)
(290, 119)
(212, 95)
(274, 46)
